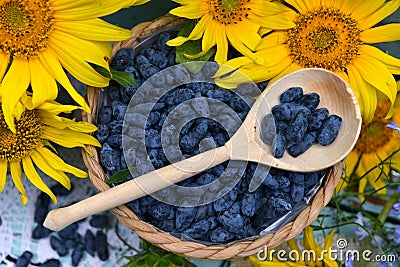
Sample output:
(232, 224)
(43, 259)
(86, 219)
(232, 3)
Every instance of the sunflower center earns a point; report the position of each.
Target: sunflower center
(325, 38)
(229, 11)
(24, 27)
(375, 135)
(19, 145)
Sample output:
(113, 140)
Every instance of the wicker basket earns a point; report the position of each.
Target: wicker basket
(189, 248)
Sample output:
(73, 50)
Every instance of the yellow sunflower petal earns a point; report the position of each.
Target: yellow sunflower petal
(342, 185)
(329, 240)
(275, 54)
(299, 5)
(387, 9)
(366, 8)
(4, 61)
(337, 4)
(196, 33)
(308, 239)
(87, 9)
(293, 246)
(209, 39)
(68, 138)
(342, 74)
(194, 10)
(12, 88)
(236, 41)
(267, 8)
(271, 40)
(45, 166)
(183, 2)
(351, 161)
(250, 30)
(276, 22)
(140, 2)
(58, 164)
(16, 175)
(386, 33)
(231, 65)
(35, 179)
(286, 69)
(375, 73)
(56, 108)
(349, 6)
(74, 58)
(64, 123)
(364, 92)
(392, 63)
(50, 61)
(93, 29)
(222, 45)
(44, 86)
(3, 175)
(361, 187)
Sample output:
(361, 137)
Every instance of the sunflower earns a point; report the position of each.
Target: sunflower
(376, 143)
(316, 254)
(238, 21)
(335, 35)
(29, 147)
(41, 38)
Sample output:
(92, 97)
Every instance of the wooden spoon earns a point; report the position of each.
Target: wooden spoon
(245, 144)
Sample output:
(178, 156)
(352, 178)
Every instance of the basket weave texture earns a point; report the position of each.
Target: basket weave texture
(169, 242)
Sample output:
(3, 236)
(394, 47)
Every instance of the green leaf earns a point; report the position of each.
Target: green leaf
(162, 262)
(102, 71)
(176, 260)
(191, 48)
(152, 259)
(123, 78)
(120, 176)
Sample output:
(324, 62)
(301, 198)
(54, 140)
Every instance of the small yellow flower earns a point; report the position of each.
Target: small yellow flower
(317, 255)
(28, 148)
(376, 143)
(40, 39)
(236, 21)
(335, 35)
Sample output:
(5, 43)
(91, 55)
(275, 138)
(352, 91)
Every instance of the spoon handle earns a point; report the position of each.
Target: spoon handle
(148, 183)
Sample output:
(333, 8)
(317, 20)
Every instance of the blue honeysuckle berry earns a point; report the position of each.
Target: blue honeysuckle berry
(310, 101)
(292, 94)
(77, 254)
(317, 119)
(51, 263)
(221, 235)
(329, 130)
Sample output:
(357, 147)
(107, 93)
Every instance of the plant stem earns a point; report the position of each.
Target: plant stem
(387, 207)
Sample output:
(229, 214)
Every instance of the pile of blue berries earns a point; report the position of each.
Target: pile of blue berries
(299, 123)
(236, 215)
(69, 239)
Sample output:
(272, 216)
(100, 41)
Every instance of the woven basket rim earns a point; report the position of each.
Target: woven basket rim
(171, 243)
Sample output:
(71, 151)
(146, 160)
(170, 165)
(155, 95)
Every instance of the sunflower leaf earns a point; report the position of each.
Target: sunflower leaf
(123, 78)
(120, 176)
(191, 48)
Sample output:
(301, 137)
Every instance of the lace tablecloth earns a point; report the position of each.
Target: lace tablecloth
(17, 223)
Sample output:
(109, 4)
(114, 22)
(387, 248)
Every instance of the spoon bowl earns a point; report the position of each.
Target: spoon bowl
(245, 144)
(335, 95)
